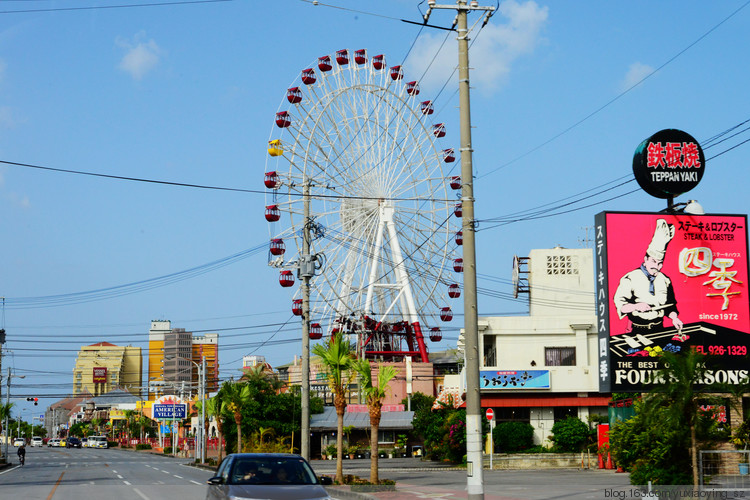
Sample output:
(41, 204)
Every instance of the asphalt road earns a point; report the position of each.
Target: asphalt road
(73, 474)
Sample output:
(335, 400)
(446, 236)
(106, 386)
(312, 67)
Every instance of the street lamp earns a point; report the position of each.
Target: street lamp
(202, 396)
(7, 405)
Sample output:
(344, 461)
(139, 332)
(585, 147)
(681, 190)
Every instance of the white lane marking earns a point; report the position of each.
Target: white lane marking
(166, 472)
(114, 471)
(144, 497)
(126, 483)
(10, 469)
(178, 477)
(196, 482)
(120, 477)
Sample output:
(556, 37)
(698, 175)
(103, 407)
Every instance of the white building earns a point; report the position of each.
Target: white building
(542, 367)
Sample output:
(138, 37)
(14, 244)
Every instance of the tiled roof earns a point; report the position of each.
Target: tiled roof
(326, 421)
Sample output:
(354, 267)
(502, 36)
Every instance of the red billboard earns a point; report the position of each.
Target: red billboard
(670, 282)
(100, 375)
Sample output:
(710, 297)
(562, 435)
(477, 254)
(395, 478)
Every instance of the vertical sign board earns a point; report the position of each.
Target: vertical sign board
(670, 282)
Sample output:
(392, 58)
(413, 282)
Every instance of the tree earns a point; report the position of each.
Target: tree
(5, 412)
(374, 395)
(215, 408)
(668, 423)
(236, 395)
(337, 357)
(570, 434)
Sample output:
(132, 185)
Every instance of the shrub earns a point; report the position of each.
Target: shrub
(143, 446)
(570, 434)
(513, 436)
(167, 450)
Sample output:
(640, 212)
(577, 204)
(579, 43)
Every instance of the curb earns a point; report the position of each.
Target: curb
(348, 494)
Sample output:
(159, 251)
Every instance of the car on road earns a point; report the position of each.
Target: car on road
(37, 441)
(275, 476)
(98, 442)
(19, 442)
(73, 442)
(54, 442)
(85, 443)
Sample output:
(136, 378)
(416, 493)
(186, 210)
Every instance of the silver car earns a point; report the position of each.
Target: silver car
(273, 476)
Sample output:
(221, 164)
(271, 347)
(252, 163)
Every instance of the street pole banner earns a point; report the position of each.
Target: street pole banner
(670, 282)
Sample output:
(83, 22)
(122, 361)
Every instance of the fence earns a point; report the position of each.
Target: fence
(724, 470)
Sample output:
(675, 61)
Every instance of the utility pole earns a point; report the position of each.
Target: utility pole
(306, 271)
(474, 457)
(203, 410)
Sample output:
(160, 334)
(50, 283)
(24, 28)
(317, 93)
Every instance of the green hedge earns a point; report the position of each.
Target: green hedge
(513, 436)
(143, 446)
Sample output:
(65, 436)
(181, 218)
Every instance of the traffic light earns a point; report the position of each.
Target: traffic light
(35, 400)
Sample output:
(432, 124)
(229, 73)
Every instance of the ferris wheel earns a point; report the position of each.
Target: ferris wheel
(358, 195)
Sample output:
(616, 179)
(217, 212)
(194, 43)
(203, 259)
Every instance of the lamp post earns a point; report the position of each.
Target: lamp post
(7, 405)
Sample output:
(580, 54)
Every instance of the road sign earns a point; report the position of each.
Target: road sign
(490, 414)
(168, 412)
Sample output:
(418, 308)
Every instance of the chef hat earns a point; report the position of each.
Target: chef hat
(662, 236)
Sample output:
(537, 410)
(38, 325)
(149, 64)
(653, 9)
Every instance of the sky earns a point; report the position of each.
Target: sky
(185, 93)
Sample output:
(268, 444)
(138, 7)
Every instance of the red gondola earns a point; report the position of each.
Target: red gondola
(412, 88)
(342, 57)
(360, 56)
(286, 279)
(454, 291)
(456, 182)
(271, 180)
(283, 119)
(294, 95)
(459, 238)
(324, 63)
(316, 331)
(449, 156)
(427, 107)
(435, 334)
(308, 76)
(397, 73)
(297, 307)
(446, 314)
(273, 213)
(378, 62)
(458, 265)
(277, 247)
(458, 210)
(439, 130)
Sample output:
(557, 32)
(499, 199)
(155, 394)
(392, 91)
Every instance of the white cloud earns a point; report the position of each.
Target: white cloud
(492, 54)
(141, 55)
(636, 72)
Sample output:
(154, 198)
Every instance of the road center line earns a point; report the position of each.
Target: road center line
(178, 477)
(56, 485)
(196, 482)
(144, 497)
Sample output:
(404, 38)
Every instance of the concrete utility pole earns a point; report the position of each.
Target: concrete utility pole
(306, 271)
(474, 457)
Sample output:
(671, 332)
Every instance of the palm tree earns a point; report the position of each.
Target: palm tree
(236, 396)
(215, 408)
(129, 421)
(5, 411)
(679, 389)
(374, 395)
(337, 357)
(257, 376)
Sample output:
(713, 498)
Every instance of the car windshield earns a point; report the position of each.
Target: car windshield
(271, 470)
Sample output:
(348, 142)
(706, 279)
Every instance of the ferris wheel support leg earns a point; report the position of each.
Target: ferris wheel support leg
(420, 341)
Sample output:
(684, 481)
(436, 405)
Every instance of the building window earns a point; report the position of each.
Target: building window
(519, 414)
(562, 264)
(490, 354)
(560, 356)
(386, 437)
(563, 412)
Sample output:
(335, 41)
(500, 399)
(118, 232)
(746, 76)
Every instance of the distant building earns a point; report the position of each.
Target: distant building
(103, 367)
(172, 354)
(542, 367)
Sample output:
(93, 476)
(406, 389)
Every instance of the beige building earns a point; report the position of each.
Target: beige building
(102, 367)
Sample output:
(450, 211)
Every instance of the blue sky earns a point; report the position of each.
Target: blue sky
(187, 93)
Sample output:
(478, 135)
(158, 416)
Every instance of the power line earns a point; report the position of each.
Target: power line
(121, 6)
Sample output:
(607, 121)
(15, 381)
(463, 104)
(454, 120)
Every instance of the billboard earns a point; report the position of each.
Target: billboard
(514, 379)
(100, 375)
(670, 282)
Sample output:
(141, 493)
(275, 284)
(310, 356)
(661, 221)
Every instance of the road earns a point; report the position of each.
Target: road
(113, 474)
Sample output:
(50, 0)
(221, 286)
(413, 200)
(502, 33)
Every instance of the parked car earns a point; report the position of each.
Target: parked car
(54, 442)
(19, 442)
(73, 442)
(37, 441)
(276, 476)
(85, 443)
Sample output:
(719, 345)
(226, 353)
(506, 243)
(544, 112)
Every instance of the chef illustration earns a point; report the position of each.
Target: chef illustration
(645, 295)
